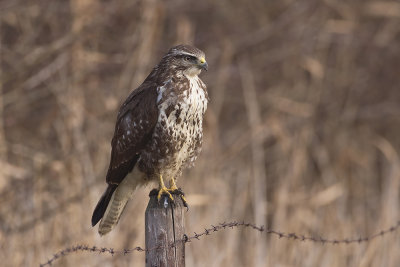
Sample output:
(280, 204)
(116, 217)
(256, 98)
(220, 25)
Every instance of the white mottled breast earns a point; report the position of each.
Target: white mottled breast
(179, 130)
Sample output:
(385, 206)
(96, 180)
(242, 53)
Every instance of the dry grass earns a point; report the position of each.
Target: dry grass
(302, 133)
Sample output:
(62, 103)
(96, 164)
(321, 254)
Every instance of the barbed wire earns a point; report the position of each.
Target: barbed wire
(346, 241)
(222, 226)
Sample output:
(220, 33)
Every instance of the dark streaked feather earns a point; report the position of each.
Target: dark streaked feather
(131, 136)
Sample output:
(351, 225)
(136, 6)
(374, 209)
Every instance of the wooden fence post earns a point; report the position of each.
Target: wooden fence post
(164, 222)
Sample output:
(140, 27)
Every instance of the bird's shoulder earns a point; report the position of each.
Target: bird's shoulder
(147, 93)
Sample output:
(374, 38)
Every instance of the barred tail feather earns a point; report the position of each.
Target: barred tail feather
(113, 213)
(117, 204)
(102, 204)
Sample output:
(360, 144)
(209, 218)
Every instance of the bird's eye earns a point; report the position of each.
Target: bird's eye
(188, 58)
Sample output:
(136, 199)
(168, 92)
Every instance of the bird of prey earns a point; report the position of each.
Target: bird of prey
(158, 132)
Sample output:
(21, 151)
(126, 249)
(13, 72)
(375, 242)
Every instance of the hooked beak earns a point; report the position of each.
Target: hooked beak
(203, 64)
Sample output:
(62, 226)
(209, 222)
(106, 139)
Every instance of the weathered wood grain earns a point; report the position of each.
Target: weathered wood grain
(164, 225)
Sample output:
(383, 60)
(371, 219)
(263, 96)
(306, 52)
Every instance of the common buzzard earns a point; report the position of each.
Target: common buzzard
(158, 132)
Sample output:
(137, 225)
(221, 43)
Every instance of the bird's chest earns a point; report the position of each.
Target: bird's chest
(179, 128)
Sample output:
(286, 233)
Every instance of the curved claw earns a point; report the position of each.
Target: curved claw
(179, 192)
(185, 204)
(174, 189)
(163, 190)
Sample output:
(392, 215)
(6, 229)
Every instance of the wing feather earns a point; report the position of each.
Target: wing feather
(136, 120)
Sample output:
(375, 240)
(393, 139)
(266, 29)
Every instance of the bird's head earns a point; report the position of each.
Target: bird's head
(187, 58)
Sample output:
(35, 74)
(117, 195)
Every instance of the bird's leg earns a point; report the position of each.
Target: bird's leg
(172, 184)
(173, 188)
(163, 190)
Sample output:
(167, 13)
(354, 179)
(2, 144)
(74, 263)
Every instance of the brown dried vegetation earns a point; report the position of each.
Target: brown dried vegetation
(301, 135)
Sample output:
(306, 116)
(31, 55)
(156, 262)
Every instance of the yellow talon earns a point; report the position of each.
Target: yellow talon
(172, 184)
(174, 187)
(164, 189)
(184, 199)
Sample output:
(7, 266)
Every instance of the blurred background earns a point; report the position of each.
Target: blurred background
(302, 132)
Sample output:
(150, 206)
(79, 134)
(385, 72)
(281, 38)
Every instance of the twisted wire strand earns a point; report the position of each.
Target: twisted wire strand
(222, 226)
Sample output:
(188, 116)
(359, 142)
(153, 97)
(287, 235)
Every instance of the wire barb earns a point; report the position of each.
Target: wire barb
(222, 226)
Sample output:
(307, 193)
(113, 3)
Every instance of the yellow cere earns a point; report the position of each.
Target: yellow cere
(202, 60)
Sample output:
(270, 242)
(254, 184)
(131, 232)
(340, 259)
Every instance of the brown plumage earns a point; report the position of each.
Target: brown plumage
(158, 131)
